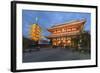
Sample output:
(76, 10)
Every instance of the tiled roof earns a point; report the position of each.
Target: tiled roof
(68, 23)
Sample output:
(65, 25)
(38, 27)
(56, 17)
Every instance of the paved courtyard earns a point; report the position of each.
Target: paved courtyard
(54, 54)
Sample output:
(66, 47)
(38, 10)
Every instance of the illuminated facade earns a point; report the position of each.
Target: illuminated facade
(35, 32)
(63, 34)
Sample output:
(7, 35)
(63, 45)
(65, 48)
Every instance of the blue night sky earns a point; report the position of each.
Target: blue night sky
(47, 19)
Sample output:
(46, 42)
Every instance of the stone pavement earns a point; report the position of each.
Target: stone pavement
(54, 54)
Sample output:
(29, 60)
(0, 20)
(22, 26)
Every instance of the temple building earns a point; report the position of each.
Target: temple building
(35, 32)
(65, 34)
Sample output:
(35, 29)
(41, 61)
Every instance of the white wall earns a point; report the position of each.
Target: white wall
(5, 36)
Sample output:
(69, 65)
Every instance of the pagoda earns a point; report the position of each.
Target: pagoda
(35, 32)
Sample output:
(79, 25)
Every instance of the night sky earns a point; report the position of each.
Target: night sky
(46, 19)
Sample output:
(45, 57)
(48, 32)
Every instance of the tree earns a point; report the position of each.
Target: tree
(85, 37)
